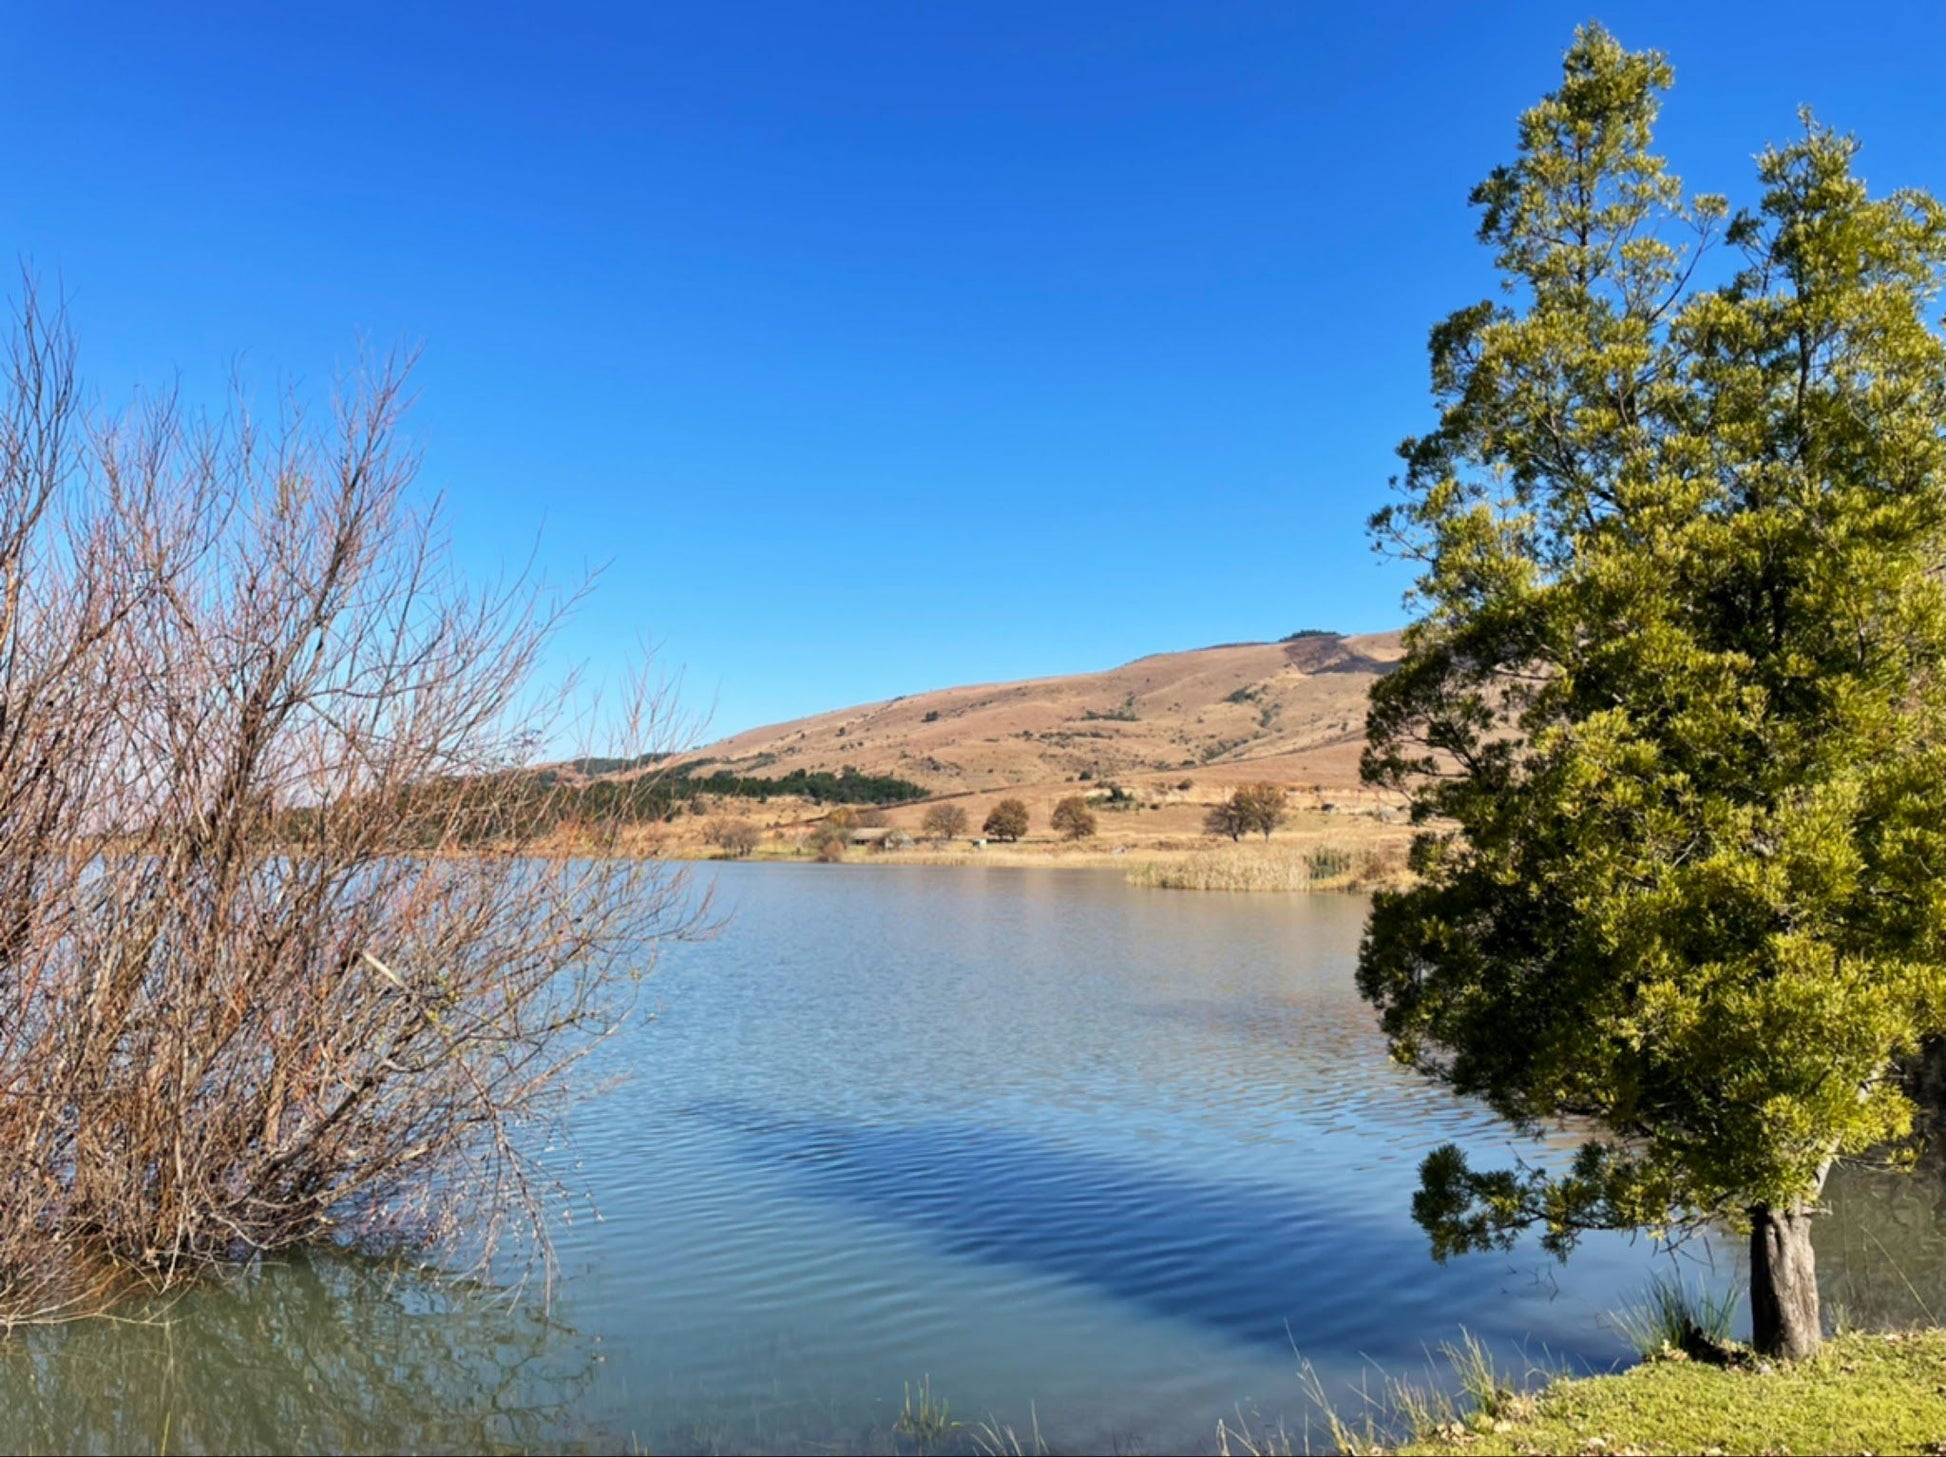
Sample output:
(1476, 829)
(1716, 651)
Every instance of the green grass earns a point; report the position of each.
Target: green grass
(1862, 1393)
(927, 1422)
(1673, 1317)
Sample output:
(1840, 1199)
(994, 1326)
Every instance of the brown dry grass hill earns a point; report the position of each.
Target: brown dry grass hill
(1291, 712)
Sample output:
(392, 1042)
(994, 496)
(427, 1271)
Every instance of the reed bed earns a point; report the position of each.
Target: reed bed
(1267, 868)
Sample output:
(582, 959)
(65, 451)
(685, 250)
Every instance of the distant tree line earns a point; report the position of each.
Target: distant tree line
(615, 766)
(821, 786)
(487, 809)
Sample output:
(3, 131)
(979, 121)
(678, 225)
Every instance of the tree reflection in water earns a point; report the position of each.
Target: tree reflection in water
(318, 1353)
(1882, 1252)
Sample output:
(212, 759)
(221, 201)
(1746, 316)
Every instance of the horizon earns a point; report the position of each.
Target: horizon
(878, 349)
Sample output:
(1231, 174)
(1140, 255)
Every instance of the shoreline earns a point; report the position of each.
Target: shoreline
(1293, 866)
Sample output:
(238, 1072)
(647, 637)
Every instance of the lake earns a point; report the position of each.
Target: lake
(1115, 1160)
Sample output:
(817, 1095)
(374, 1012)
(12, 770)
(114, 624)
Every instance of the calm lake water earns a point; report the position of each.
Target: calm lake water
(1109, 1157)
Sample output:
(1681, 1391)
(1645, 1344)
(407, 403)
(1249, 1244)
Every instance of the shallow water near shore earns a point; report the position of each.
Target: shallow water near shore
(1110, 1158)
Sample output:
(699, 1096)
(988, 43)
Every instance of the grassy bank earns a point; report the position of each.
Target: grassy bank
(1863, 1393)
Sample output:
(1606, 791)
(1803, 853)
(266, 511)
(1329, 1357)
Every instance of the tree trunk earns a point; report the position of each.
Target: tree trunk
(1783, 1283)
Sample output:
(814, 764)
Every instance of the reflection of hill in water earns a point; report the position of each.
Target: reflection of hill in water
(315, 1355)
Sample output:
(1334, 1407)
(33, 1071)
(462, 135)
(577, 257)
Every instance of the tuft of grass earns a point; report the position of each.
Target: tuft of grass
(1861, 1393)
(1488, 1401)
(1245, 1440)
(1672, 1318)
(991, 1439)
(928, 1423)
(1398, 1406)
(1490, 1389)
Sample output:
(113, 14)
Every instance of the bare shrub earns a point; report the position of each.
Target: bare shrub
(735, 838)
(944, 822)
(1382, 865)
(275, 966)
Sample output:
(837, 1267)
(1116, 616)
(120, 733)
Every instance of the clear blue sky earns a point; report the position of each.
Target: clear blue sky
(874, 347)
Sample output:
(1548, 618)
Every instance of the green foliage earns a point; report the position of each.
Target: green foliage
(1671, 717)
(821, 786)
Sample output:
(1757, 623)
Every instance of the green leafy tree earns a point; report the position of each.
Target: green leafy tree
(1672, 717)
(1072, 818)
(1008, 820)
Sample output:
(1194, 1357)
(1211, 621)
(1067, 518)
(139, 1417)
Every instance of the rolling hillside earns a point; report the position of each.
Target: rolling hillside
(1290, 711)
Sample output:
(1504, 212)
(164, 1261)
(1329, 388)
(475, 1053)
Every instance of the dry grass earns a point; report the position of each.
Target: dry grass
(1220, 716)
(1271, 867)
